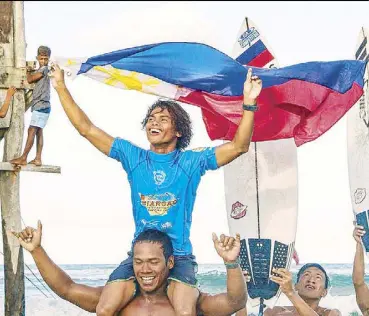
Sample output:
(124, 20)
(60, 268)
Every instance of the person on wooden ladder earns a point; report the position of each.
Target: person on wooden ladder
(40, 107)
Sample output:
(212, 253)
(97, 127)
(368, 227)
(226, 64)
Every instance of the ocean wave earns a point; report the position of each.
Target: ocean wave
(211, 277)
(105, 270)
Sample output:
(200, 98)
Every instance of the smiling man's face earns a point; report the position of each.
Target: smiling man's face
(160, 128)
(150, 267)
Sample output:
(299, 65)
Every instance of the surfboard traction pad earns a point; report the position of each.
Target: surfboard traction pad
(264, 254)
(260, 286)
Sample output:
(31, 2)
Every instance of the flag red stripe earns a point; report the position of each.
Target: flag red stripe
(283, 113)
(261, 60)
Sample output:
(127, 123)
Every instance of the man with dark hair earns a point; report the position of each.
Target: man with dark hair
(40, 107)
(311, 286)
(163, 181)
(181, 118)
(358, 272)
(152, 254)
(156, 236)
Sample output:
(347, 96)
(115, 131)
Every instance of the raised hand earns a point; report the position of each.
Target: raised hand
(228, 248)
(251, 88)
(57, 76)
(30, 238)
(284, 280)
(358, 233)
(11, 91)
(246, 275)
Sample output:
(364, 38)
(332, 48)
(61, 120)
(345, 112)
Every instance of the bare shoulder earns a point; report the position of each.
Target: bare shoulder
(274, 311)
(202, 296)
(203, 299)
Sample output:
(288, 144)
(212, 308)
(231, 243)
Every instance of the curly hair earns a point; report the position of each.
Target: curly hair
(181, 119)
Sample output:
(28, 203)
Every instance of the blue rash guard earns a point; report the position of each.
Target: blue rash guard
(163, 188)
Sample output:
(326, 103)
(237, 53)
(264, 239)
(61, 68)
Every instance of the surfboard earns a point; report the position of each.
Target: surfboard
(261, 190)
(358, 145)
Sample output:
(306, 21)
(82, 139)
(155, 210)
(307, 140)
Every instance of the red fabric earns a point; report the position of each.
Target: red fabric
(295, 256)
(261, 60)
(288, 110)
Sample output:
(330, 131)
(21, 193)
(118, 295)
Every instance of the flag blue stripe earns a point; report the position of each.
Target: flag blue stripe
(201, 67)
(249, 54)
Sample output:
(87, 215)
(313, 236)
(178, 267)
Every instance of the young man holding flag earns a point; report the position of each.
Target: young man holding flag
(163, 181)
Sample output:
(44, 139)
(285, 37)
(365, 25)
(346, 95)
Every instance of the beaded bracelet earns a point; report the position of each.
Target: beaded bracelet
(232, 265)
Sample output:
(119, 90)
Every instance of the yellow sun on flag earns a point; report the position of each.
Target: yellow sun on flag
(71, 62)
(131, 81)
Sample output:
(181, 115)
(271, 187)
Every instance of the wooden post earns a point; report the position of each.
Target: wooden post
(13, 73)
(12, 40)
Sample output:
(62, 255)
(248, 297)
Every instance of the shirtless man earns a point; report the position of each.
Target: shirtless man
(152, 259)
(312, 285)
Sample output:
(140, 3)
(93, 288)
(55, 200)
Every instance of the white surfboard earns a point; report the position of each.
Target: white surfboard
(358, 145)
(261, 190)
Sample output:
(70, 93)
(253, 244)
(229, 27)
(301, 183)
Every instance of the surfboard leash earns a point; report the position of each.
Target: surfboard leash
(261, 308)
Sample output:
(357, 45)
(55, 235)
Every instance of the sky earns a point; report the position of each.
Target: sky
(86, 211)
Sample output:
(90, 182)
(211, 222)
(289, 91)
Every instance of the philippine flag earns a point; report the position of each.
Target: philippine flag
(313, 96)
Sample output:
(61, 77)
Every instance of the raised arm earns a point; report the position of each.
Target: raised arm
(33, 76)
(228, 248)
(243, 311)
(361, 289)
(85, 297)
(9, 94)
(227, 152)
(97, 137)
(285, 282)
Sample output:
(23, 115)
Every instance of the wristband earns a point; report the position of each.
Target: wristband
(232, 265)
(251, 108)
